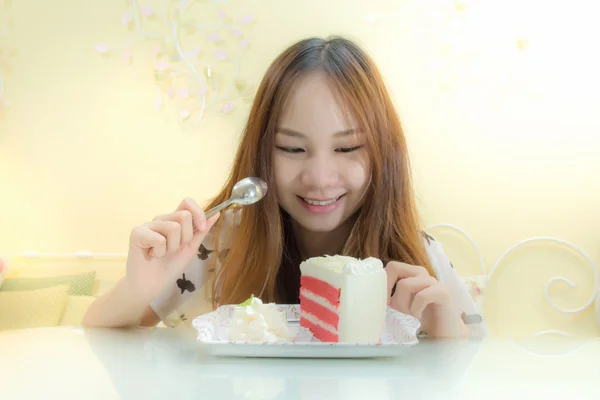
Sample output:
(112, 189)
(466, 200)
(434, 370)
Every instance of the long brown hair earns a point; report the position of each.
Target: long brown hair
(262, 260)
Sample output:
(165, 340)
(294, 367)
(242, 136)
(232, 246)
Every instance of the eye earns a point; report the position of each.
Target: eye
(290, 149)
(347, 149)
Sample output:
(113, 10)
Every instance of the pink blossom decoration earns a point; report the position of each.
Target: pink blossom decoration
(221, 14)
(228, 107)
(196, 51)
(157, 50)
(101, 48)
(184, 114)
(126, 19)
(183, 93)
(214, 37)
(246, 19)
(146, 10)
(221, 54)
(244, 43)
(236, 32)
(162, 65)
(158, 103)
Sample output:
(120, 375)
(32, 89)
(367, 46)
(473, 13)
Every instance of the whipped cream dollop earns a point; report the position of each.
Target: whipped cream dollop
(346, 264)
(255, 321)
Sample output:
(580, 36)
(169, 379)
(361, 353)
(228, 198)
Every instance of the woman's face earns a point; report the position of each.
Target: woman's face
(322, 167)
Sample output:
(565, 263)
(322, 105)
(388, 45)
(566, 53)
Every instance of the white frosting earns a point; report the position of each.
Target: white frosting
(346, 265)
(363, 299)
(259, 322)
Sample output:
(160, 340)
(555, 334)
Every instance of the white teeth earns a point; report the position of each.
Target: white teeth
(320, 203)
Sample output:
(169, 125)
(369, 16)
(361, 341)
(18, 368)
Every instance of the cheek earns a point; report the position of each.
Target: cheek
(357, 173)
(285, 171)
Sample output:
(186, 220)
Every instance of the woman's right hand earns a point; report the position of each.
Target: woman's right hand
(160, 250)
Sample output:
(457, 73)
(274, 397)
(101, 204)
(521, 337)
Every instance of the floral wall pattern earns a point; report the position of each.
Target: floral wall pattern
(197, 52)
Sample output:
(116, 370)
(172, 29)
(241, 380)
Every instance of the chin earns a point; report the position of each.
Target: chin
(319, 224)
(319, 227)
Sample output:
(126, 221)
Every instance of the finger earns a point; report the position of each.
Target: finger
(434, 294)
(406, 289)
(184, 218)
(171, 231)
(146, 239)
(211, 221)
(198, 217)
(181, 260)
(398, 270)
(199, 236)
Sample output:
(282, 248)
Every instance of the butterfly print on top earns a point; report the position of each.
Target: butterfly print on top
(184, 285)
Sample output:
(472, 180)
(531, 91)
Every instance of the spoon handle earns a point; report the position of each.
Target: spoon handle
(216, 209)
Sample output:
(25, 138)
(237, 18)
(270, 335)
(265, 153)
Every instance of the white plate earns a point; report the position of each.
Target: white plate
(399, 336)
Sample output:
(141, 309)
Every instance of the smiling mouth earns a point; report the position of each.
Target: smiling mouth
(320, 202)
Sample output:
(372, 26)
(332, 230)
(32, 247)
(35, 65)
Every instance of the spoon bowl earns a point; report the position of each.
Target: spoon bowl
(247, 191)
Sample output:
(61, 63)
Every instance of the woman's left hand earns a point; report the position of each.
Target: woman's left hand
(425, 298)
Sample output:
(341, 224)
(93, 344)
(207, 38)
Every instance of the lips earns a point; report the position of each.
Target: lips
(320, 202)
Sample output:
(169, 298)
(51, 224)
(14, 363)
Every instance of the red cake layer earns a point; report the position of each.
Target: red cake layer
(321, 288)
(319, 311)
(320, 333)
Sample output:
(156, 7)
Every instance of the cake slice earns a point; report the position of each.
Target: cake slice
(343, 299)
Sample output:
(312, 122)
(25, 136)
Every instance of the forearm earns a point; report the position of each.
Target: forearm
(119, 307)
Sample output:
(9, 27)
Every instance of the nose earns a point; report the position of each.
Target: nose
(320, 171)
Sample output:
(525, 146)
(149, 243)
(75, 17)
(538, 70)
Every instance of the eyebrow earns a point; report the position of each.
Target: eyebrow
(293, 133)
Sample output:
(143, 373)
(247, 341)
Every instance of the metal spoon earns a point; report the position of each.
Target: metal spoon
(245, 192)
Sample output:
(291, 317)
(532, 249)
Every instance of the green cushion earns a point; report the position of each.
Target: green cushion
(79, 285)
(33, 308)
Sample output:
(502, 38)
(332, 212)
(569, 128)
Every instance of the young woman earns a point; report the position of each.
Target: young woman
(324, 134)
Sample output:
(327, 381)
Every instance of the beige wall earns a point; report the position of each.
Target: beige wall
(504, 140)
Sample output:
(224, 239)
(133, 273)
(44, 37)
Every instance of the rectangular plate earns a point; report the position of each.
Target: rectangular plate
(399, 336)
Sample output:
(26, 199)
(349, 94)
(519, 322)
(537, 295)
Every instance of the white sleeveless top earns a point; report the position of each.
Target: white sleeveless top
(189, 297)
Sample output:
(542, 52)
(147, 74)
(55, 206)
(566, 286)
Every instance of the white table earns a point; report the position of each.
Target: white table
(72, 363)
